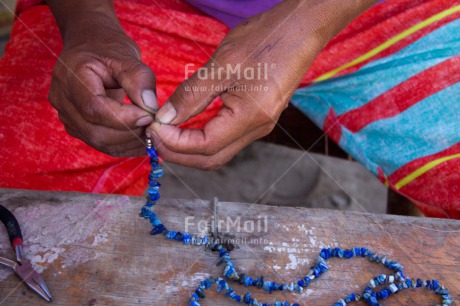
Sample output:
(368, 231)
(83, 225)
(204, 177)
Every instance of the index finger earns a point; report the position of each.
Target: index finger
(223, 130)
(89, 98)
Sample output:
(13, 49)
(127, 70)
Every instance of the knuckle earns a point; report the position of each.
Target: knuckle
(266, 129)
(186, 93)
(98, 141)
(115, 152)
(211, 164)
(136, 70)
(210, 146)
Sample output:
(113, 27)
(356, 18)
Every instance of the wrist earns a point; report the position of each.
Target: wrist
(81, 20)
(318, 21)
(93, 27)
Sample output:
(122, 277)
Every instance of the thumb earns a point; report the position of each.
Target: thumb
(138, 81)
(190, 98)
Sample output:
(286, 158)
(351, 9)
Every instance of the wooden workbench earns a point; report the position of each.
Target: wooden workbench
(95, 249)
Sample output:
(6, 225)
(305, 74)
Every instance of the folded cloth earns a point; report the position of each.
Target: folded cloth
(386, 89)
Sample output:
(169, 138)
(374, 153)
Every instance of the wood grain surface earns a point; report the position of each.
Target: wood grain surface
(95, 249)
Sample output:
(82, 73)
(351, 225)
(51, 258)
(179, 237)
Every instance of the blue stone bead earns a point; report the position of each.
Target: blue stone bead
(207, 283)
(154, 197)
(154, 183)
(372, 301)
(419, 283)
(357, 251)
(229, 272)
(153, 190)
(179, 236)
(237, 298)
(171, 235)
(272, 287)
(247, 297)
(435, 284)
(221, 285)
(322, 267)
(186, 238)
(152, 152)
(351, 297)
(260, 282)
(295, 304)
(335, 252)
(266, 285)
(200, 293)
(194, 303)
(229, 292)
(325, 253)
(158, 229)
(146, 212)
(316, 272)
(408, 282)
(340, 253)
(348, 254)
(156, 222)
(248, 281)
(152, 217)
(307, 281)
(301, 283)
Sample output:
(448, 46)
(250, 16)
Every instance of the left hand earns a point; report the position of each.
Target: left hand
(287, 37)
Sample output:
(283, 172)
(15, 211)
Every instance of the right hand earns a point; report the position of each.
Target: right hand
(90, 80)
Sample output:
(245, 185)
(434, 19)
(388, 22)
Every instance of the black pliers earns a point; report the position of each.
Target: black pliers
(23, 268)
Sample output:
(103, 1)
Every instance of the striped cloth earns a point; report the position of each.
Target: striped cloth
(393, 102)
(386, 89)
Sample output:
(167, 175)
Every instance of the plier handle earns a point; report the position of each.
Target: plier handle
(22, 267)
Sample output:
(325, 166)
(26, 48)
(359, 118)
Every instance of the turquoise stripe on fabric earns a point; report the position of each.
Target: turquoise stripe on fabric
(355, 90)
(430, 126)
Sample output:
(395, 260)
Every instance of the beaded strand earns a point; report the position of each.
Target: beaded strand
(394, 282)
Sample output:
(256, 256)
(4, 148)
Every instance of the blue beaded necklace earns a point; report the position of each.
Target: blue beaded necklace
(392, 283)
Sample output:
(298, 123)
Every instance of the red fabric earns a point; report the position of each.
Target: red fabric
(428, 185)
(402, 96)
(372, 29)
(36, 151)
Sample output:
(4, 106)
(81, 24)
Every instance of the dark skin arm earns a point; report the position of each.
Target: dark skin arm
(98, 66)
(289, 36)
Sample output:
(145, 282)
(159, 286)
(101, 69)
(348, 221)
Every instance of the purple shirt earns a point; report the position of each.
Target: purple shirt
(232, 12)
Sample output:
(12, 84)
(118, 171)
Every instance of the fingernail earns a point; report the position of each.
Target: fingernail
(166, 114)
(150, 100)
(144, 121)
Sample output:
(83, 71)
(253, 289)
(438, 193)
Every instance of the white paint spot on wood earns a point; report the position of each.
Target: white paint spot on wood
(50, 231)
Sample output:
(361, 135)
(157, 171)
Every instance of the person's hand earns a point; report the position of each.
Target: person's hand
(96, 69)
(280, 44)
(272, 53)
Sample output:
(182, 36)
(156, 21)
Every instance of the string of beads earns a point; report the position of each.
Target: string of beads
(392, 283)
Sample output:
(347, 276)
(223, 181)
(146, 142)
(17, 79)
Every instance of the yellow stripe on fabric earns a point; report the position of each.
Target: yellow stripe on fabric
(390, 42)
(422, 170)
